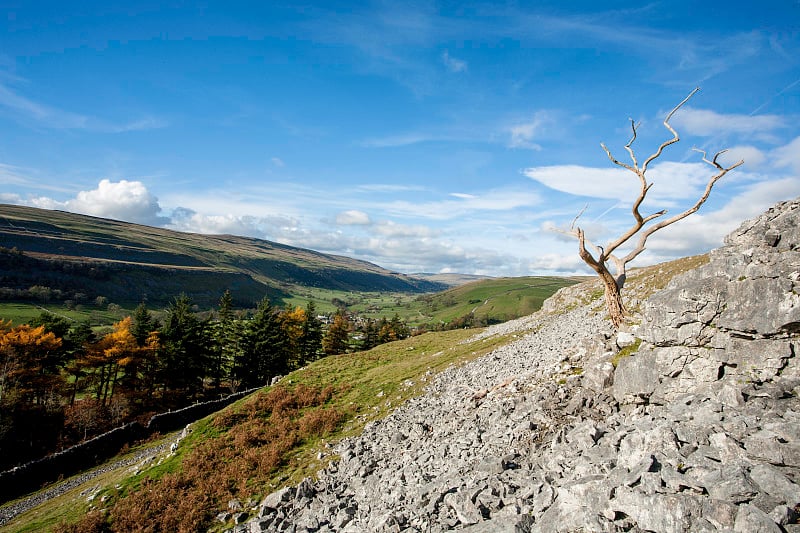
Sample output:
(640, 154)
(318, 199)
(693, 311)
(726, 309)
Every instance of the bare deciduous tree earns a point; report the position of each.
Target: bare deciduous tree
(598, 257)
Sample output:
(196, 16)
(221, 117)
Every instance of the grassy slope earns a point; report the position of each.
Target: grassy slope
(498, 299)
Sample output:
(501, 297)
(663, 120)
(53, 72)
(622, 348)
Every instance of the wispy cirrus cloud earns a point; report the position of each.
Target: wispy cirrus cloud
(788, 155)
(707, 123)
(29, 111)
(460, 204)
(405, 139)
(525, 133)
(672, 181)
(453, 64)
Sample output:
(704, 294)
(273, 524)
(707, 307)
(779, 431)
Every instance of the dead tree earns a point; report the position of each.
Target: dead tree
(598, 257)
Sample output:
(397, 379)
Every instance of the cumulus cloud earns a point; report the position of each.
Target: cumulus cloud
(559, 264)
(453, 64)
(276, 228)
(122, 200)
(353, 217)
(752, 156)
(705, 122)
(10, 198)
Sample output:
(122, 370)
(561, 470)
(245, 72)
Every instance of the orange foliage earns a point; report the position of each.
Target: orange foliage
(26, 366)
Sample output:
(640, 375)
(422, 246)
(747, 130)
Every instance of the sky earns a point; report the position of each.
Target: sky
(420, 136)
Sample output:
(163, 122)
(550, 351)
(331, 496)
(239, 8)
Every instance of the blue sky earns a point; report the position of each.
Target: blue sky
(421, 136)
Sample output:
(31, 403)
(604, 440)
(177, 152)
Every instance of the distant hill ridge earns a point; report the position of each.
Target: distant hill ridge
(132, 262)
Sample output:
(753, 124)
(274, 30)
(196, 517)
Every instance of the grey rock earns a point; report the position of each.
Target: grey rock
(720, 513)
(751, 519)
(776, 484)
(274, 500)
(598, 375)
(466, 511)
(665, 513)
(635, 378)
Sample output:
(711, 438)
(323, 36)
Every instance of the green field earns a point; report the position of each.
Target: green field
(22, 312)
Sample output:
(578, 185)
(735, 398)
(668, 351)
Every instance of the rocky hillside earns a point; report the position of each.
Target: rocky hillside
(689, 421)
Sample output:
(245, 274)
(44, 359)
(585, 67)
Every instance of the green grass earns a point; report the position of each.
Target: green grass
(22, 312)
(494, 299)
(626, 352)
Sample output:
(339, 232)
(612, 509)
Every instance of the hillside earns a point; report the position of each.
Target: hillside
(491, 300)
(686, 421)
(129, 262)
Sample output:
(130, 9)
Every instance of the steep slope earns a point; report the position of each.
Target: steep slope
(689, 422)
(131, 262)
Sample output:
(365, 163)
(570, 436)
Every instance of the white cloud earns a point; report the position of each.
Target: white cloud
(147, 123)
(262, 227)
(560, 264)
(122, 200)
(353, 217)
(405, 139)
(11, 175)
(752, 156)
(453, 64)
(463, 204)
(523, 135)
(585, 181)
(278, 162)
(788, 156)
(388, 188)
(707, 123)
(391, 229)
(11, 198)
(671, 181)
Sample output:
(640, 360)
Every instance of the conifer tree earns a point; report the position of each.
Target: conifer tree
(337, 339)
(311, 339)
(185, 349)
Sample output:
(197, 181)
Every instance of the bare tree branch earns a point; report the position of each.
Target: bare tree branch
(675, 137)
(598, 262)
(640, 246)
(634, 126)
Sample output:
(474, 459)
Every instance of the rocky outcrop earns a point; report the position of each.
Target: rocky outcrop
(688, 422)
